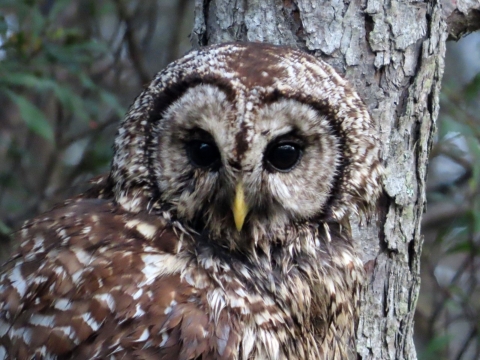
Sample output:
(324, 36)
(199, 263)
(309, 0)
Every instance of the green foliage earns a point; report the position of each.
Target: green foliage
(451, 251)
(45, 59)
(55, 95)
(435, 348)
(32, 115)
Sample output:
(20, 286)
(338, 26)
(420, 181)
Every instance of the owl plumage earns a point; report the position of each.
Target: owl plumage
(221, 231)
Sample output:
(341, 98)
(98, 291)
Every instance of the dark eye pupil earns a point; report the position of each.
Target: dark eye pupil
(284, 157)
(203, 154)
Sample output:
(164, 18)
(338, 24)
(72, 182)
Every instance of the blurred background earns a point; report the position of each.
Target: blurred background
(69, 69)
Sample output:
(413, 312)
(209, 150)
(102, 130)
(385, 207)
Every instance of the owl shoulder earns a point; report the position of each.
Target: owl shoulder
(91, 279)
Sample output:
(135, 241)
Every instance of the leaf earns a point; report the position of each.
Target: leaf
(472, 90)
(111, 100)
(71, 101)
(435, 347)
(3, 26)
(32, 115)
(58, 7)
(4, 229)
(452, 125)
(27, 80)
(464, 247)
(65, 95)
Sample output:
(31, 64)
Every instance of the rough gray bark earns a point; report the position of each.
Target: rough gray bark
(393, 54)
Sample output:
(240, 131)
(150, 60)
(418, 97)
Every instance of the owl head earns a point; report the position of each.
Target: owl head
(247, 141)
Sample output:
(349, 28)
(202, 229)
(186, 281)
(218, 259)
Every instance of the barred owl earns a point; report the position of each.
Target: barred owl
(221, 231)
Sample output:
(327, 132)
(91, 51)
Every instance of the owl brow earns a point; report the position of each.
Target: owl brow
(174, 91)
(198, 133)
(294, 135)
(276, 95)
(321, 107)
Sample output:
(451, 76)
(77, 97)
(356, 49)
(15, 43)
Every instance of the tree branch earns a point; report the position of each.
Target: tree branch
(133, 45)
(462, 17)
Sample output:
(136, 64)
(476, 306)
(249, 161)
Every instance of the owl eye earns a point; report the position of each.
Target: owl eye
(283, 156)
(203, 154)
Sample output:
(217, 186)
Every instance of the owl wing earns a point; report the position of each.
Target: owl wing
(91, 281)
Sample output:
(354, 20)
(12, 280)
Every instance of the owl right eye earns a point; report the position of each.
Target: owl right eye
(283, 156)
(203, 154)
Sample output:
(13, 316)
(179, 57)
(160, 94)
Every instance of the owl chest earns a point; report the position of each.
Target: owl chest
(247, 321)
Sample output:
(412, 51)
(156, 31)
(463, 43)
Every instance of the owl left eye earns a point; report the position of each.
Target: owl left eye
(283, 156)
(203, 154)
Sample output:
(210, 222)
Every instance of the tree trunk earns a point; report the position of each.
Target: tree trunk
(392, 52)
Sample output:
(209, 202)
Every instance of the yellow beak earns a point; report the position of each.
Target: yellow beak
(239, 207)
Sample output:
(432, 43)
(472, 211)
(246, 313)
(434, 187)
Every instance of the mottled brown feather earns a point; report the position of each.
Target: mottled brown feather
(148, 264)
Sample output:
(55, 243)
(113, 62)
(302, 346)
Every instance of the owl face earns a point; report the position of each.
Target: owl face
(247, 141)
(245, 166)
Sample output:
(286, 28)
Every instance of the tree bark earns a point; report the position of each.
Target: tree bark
(392, 52)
